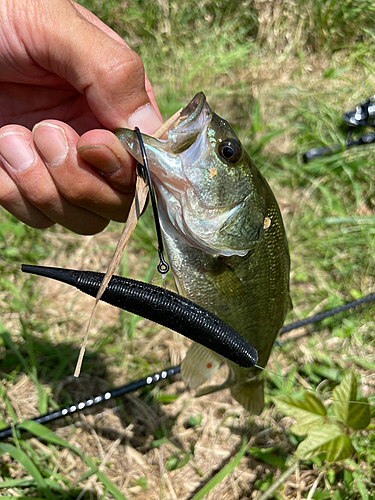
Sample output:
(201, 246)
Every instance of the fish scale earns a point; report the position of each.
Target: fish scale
(225, 240)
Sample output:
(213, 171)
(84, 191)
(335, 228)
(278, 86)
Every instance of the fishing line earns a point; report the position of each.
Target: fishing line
(313, 391)
(145, 173)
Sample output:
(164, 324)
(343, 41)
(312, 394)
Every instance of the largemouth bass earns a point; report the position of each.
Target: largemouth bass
(224, 238)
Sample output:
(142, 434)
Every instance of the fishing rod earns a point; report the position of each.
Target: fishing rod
(362, 116)
(87, 403)
(164, 374)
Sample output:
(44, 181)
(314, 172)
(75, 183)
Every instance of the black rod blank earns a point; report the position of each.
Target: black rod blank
(161, 306)
(326, 314)
(328, 151)
(105, 396)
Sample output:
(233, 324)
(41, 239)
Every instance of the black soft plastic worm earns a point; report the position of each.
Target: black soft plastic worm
(161, 306)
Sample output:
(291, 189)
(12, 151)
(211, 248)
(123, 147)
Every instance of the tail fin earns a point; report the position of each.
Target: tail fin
(250, 395)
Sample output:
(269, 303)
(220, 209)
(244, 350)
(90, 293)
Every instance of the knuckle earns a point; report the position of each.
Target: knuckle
(80, 194)
(127, 72)
(43, 199)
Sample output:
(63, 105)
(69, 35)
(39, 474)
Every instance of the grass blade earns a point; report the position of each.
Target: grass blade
(220, 476)
(44, 433)
(29, 466)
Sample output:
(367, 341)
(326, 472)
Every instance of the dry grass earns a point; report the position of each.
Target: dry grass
(286, 75)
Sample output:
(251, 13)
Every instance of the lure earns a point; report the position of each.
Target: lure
(161, 306)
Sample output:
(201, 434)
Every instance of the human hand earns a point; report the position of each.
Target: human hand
(64, 73)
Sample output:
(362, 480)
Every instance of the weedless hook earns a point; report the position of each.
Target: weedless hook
(145, 173)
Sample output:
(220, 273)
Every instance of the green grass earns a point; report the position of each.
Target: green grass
(283, 74)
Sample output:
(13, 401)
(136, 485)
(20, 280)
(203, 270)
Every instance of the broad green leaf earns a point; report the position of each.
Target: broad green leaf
(342, 395)
(327, 438)
(349, 411)
(359, 414)
(308, 413)
(29, 466)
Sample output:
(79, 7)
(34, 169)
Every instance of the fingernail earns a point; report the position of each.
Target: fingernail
(101, 157)
(145, 118)
(51, 142)
(16, 151)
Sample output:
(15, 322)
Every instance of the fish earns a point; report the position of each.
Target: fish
(224, 238)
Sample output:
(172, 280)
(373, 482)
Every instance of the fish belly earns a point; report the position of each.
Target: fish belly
(250, 293)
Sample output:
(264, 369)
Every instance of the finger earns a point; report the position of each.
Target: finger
(104, 151)
(106, 29)
(151, 95)
(76, 180)
(12, 200)
(107, 72)
(27, 171)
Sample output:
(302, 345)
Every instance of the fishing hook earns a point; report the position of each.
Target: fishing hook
(145, 173)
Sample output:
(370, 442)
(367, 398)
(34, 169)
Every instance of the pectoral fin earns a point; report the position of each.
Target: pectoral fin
(199, 365)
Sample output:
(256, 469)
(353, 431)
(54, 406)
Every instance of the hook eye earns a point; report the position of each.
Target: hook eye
(163, 266)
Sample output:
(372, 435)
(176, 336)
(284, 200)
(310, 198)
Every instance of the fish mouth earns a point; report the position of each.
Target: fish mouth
(181, 135)
(193, 109)
(191, 112)
(188, 198)
(163, 155)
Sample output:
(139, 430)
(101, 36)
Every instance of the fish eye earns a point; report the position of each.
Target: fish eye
(230, 150)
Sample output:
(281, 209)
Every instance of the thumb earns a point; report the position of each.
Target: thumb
(78, 47)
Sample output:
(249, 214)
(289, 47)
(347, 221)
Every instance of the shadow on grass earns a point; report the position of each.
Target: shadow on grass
(52, 363)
